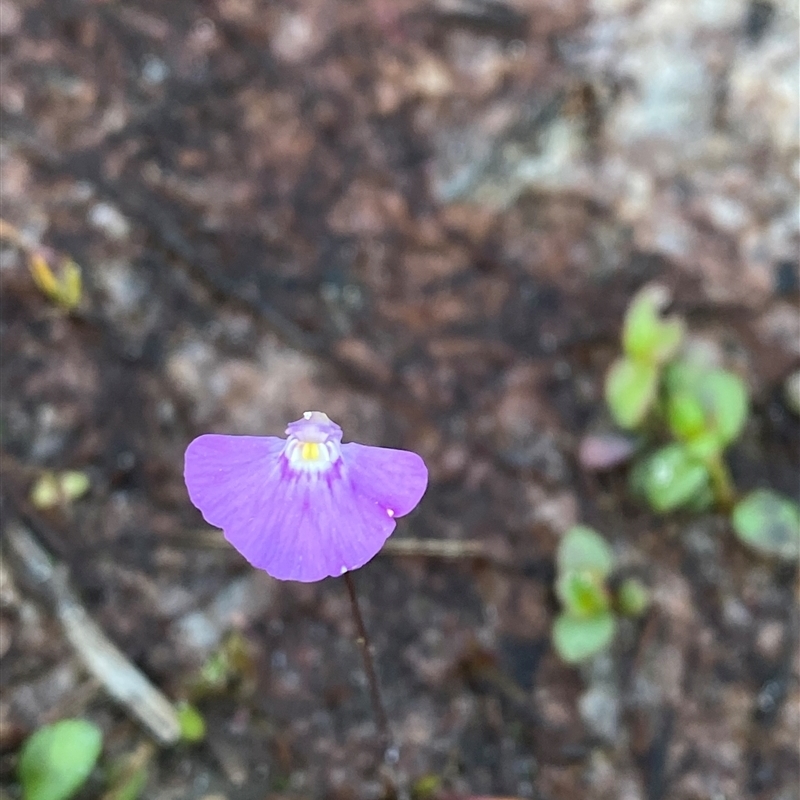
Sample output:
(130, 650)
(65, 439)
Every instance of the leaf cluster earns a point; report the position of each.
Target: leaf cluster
(52, 489)
(588, 620)
(648, 342)
(700, 410)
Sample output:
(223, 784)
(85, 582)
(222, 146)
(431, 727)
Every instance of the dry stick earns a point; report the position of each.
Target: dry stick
(369, 667)
(102, 658)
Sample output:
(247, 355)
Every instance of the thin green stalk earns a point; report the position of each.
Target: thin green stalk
(722, 483)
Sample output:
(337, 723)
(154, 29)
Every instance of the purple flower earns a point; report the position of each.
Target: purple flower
(304, 507)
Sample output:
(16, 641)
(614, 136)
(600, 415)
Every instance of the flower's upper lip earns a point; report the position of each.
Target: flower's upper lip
(314, 427)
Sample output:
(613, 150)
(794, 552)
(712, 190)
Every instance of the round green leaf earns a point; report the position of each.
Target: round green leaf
(578, 639)
(685, 415)
(672, 478)
(670, 337)
(633, 597)
(582, 548)
(702, 501)
(583, 593)
(630, 391)
(681, 376)
(647, 336)
(702, 400)
(768, 523)
(724, 396)
(45, 493)
(57, 759)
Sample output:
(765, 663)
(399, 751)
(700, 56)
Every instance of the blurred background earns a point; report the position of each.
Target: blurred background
(427, 219)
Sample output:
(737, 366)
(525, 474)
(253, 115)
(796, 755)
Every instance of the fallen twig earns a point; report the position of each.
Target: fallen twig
(448, 549)
(101, 657)
(439, 548)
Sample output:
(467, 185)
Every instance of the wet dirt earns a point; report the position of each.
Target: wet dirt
(255, 194)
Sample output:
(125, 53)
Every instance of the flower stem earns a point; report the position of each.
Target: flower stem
(369, 667)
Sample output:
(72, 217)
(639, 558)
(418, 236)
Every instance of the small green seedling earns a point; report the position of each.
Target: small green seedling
(700, 410)
(57, 759)
(700, 407)
(193, 726)
(427, 787)
(705, 411)
(648, 341)
(62, 286)
(587, 623)
(59, 488)
(768, 523)
(230, 666)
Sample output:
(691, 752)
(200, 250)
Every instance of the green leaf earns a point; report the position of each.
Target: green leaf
(583, 593)
(53, 488)
(705, 448)
(646, 336)
(702, 501)
(582, 548)
(193, 726)
(672, 478)
(57, 759)
(701, 400)
(630, 391)
(63, 286)
(578, 639)
(682, 376)
(685, 415)
(724, 397)
(769, 523)
(633, 597)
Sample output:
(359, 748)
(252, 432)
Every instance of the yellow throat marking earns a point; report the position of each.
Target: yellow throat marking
(309, 451)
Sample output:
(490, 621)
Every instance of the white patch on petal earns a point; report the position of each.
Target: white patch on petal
(343, 570)
(390, 512)
(307, 414)
(313, 457)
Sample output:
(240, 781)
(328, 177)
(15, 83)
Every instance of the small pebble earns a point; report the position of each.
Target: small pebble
(770, 639)
(154, 71)
(110, 221)
(10, 18)
(600, 710)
